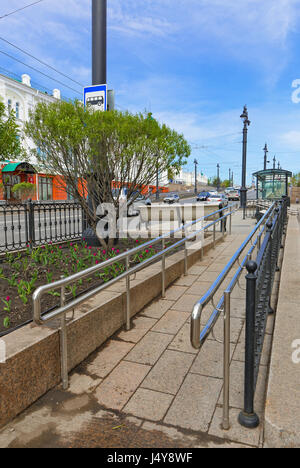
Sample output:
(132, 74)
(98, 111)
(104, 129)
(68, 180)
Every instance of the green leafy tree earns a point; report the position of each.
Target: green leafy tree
(226, 183)
(215, 181)
(10, 141)
(99, 151)
(296, 180)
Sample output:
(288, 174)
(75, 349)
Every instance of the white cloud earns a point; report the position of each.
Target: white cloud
(249, 31)
(292, 139)
(244, 23)
(256, 34)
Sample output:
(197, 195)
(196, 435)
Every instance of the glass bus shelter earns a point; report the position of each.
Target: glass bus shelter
(272, 184)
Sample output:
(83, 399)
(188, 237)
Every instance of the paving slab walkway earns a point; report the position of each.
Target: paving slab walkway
(148, 387)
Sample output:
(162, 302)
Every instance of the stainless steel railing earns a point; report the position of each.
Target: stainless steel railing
(198, 336)
(64, 308)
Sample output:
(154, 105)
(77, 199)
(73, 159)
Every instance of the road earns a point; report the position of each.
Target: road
(13, 227)
(251, 195)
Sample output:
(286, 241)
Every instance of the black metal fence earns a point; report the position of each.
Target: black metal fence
(259, 280)
(35, 223)
(255, 208)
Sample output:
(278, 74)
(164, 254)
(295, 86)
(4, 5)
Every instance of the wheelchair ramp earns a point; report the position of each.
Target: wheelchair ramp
(148, 387)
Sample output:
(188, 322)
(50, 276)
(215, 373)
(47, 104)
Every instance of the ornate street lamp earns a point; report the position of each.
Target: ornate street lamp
(266, 156)
(247, 122)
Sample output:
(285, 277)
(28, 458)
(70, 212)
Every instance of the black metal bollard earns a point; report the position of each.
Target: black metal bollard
(31, 231)
(248, 418)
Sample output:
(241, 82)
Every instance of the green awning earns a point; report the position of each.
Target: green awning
(11, 167)
(24, 167)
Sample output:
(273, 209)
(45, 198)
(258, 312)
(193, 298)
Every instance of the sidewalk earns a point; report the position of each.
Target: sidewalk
(282, 418)
(148, 387)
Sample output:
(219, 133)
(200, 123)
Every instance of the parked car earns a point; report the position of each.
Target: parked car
(142, 200)
(229, 189)
(218, 198)
(202, 196)
(172, 198)
(233, 195)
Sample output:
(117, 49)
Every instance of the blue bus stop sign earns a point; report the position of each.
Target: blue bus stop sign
(95, 97)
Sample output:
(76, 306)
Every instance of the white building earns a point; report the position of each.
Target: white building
(22, 98)
(188, 178)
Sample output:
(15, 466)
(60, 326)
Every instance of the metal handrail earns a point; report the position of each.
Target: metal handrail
(196, 339)
(199, 337)
(64, 282)
(64, 308)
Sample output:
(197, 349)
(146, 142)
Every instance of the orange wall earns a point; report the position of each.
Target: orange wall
(59, 189)
(59, 186)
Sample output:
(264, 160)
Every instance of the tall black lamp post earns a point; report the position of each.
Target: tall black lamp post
(196, 164)
(247, 122)
(218, 177)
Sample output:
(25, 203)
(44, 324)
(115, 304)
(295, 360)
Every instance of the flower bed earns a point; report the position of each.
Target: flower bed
(21, 273)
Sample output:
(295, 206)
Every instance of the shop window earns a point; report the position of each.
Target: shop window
(9, 181)
(45, 188)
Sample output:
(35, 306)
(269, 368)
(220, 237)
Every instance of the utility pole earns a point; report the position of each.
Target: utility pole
(196, 164)
(274, 162)
(99, 76)
(229, 176)
(99, 41)
(266, 156)
(247, 122)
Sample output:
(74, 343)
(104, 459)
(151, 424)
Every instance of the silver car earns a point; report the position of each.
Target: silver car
(172, 198)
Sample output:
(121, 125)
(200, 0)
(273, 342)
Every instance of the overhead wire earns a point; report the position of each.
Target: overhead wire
(41, 73)
(20, 9)
(40, 61)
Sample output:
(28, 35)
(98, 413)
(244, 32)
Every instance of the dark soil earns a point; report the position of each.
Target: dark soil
(49, 263)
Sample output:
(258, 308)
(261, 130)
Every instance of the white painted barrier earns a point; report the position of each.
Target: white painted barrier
(179, 213)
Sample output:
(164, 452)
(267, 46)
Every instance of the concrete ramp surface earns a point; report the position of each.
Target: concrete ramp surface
(148, 387)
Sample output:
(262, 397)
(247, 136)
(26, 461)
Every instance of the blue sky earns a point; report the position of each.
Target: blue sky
(192, 63)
